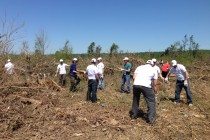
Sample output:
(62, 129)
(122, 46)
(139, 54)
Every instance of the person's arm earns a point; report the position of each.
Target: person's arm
(155, 86)
(57, 70)
(97, 77)
(134, 75)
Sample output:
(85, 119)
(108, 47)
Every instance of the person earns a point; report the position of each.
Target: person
(182, 81)
(144, 76)
(165, 69)
(126, 75)
(100, 67)
(157, 68)
(92, 73)
(61, 69)
(9, 67)
(74, 79)
(161, 62)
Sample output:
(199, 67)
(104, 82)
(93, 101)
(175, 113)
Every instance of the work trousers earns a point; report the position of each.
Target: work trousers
(149, 96)
(74, 82)
(92, 90)
(179, 86)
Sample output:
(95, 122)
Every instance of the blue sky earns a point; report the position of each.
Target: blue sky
(134, 25)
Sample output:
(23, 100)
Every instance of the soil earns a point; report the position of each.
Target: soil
(39, 109)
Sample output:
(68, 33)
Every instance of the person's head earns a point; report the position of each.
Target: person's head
(126, 59)
(154, 61)
(99, 59)
(61, 61)
(174, 63)
(75, 60)
(150, 62)
(93, 61)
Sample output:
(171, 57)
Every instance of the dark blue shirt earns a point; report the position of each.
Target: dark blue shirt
(73, 67)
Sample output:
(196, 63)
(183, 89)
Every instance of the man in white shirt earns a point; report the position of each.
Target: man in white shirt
(92, 73)
(9, 67)
(182, 81)
(157, 68)
(61, 69)
(100, 67)
(144, 76)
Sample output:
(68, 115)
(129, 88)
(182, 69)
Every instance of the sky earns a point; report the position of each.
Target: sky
(134, 25)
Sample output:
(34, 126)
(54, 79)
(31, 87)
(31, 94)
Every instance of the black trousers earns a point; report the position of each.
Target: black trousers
(149, 96)
(92, 90)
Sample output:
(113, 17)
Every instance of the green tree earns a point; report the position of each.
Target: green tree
(91, 48)
(113, 49)
(98, 50)
(65, 52)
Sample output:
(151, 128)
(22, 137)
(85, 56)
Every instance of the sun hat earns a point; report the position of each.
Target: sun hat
(8, 60)
(61, 60)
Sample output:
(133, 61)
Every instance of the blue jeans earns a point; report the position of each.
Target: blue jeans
(179, 86)
(92, 90)
(149, 96)
(101, 82)
(125, 79)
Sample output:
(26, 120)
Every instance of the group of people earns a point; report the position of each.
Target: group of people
(94, 72)
(145, 82)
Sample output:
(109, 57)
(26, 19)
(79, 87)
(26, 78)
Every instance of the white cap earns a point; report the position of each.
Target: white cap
(154, 60)
(61, 60)
(8, 60)
(126, 58)
(75, 59)
(99, 58)
(93, 60)
(173, 62)
(149, 62)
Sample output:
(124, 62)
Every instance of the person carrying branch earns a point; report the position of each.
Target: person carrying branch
(144, 76)
(61, 70)
(182, 81)
(74, 79)
(126, 75)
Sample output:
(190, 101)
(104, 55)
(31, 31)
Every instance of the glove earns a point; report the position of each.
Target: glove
(185, 83)
(166, 79)
(102, 76)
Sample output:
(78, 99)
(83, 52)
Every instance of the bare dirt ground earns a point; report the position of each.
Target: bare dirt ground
(40, 110)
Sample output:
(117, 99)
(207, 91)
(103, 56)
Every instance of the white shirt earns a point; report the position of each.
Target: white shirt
(145, 75)
(100, 67)
(179, 71)
(157, 69)
(91, 71)
(9, 68)
(62, 68)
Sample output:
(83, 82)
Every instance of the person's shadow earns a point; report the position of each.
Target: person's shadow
(141, 114)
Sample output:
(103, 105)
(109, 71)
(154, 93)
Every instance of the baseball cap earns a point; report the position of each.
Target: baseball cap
(126, 58)
(149, 62)
(8, 60)
(93, 60)
(99, 58)
(75, 59)
(173, 62)
(154, 60)
(61, 60)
